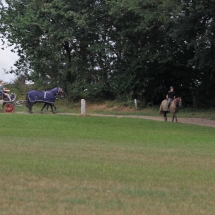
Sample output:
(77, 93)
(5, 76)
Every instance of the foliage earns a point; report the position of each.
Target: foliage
(114, 49)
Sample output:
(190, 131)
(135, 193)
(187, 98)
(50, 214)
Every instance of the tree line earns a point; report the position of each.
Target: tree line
(111, 49)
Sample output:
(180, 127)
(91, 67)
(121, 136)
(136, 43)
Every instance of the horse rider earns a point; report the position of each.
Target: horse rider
(170, 97)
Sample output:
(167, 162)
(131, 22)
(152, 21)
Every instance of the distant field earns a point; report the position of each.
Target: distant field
(60, 164)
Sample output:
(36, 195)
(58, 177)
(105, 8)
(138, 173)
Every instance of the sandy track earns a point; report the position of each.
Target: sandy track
(196, 121)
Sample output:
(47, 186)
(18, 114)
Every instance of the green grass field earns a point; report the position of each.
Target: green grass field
(61, 164)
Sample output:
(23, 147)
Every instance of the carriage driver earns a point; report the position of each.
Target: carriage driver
(4, 90)
(170, 97)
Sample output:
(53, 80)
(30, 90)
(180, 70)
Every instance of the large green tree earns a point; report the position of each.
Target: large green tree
(115, 49)
(192, 40)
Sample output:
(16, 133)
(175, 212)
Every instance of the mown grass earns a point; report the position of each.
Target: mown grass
(60, 164)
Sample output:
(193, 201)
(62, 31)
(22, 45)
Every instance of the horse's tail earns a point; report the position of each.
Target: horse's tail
(160, 109)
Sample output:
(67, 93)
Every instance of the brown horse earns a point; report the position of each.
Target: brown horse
(173, 108)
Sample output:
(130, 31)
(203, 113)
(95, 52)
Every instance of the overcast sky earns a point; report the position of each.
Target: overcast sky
(7, 60)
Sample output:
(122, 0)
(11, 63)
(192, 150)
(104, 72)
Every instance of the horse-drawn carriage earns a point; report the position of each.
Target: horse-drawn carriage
(7, 105)
(32, 97)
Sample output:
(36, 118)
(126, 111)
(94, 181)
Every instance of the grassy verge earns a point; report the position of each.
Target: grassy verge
(56, 164)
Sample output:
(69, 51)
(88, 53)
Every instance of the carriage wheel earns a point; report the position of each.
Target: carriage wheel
(9, 108)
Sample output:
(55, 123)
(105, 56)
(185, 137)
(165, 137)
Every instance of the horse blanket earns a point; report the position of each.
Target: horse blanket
(42, 96)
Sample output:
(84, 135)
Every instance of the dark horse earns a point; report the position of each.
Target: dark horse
(173, 108)
(48, 97)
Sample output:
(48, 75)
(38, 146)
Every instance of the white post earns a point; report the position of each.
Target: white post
(83, 107)
(135, 103)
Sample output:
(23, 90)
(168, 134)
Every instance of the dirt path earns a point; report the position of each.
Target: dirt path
(196, 121)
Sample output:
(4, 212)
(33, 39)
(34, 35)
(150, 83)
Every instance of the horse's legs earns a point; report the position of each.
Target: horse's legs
(30, 107)
(45, 104)
(51, 108)
(47, 107)
(55, 109)
(165, 116)
(174, 117)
